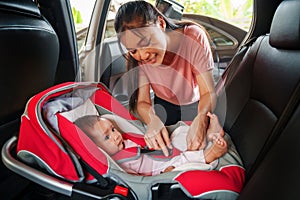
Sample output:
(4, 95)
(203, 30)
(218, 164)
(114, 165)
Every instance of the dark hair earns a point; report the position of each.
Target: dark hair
(146, 12)
(139, 9)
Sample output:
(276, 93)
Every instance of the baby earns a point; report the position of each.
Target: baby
(106, 135)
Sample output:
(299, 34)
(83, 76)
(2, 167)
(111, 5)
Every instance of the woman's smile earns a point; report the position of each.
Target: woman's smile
(150, 60)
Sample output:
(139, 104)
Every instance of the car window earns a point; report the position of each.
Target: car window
(82, 11)
(226, 21)
(236, 12)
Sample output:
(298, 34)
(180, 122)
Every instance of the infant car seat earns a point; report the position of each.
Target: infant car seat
(50, 142)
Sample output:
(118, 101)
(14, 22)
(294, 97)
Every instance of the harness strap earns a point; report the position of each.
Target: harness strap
(155, 152)
(139, 139)
(133, 153)
(100, 179)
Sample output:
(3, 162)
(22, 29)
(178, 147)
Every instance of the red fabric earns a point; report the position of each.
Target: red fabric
(33, 140)
(188, 122)
(198, 182)
(130, 152)
(121, 190)
(105, 100)
(82, 145)
(136, 138)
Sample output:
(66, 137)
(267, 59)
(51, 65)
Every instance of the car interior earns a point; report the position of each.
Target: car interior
(225, 40)
(258, 94)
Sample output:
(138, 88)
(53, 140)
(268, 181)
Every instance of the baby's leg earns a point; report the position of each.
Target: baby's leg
(214, 130)
(216, 150)
(168, 169)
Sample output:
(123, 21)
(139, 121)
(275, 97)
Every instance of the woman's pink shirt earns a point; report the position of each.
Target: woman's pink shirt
(177, 83)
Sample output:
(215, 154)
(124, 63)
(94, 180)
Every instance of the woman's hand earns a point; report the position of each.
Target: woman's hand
(196, 137)
(157, 136)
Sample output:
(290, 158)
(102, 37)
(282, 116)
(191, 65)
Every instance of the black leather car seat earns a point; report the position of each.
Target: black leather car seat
(276, 175)
(255, 104)
(28, 55)
(29, 52)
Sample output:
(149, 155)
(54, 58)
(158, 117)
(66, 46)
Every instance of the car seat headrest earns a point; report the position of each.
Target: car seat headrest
(285, 28)
(20, 6)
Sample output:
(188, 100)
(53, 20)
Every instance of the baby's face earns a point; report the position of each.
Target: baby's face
(108, 137)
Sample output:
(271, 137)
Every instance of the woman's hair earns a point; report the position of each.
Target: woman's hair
(147, 13)
(141, 10)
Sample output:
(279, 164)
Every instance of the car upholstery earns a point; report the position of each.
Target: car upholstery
(29, 52)
(257, 103)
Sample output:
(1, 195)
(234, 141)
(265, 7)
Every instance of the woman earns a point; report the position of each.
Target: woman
(175, 60)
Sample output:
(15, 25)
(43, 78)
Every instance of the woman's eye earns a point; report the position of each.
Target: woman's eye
(145, 42)
(113, 129)
(106, 137)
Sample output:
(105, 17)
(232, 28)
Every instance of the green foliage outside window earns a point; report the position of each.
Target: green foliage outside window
(221, 9)
(76, 16)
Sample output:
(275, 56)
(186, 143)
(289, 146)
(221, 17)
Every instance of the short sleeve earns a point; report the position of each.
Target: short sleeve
(200, 50)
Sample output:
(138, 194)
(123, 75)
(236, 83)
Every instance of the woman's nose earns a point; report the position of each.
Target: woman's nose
(144, 54)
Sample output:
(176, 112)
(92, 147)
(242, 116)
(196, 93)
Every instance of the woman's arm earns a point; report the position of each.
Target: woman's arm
(156, 136)
(196, 135)
(144, 104)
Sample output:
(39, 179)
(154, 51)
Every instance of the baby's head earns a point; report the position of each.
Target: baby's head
(102, 132)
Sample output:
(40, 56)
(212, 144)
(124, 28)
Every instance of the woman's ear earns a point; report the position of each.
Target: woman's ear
(161, 22)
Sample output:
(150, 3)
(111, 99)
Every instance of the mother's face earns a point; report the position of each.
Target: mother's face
(147, 44)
